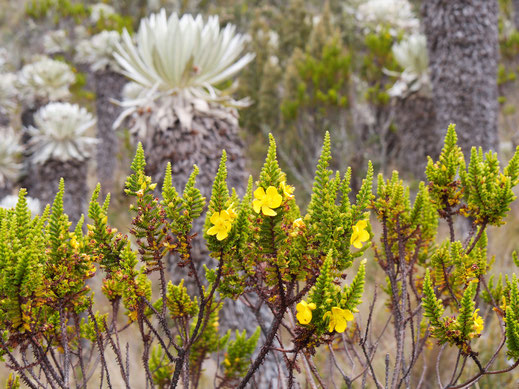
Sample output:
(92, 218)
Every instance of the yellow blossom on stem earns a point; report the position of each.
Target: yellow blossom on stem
(304, 312)
(266, 202)
(360, 234)
(222, 223)
(339, 319)
(478, 323)
(298, 223)
(287, 190)
(231, 213)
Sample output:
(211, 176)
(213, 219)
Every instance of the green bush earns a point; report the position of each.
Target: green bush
(294, 264)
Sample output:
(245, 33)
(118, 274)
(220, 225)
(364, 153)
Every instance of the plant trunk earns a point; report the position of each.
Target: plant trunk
(108, 85)
(6, 190)
(516, 14)
(414, 138)
(462, 41)
(43, 182)
(4, 120)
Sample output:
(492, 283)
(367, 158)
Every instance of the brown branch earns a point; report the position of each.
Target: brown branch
(99, 341)
(80, 351)
(265, 349)
(364, 339)
(478, 236)
(117, 350)
(347, 380)
(183, 353)
(47, 366)
(17, 366)
(66, 350)
(478, 376)
(313, 369)
(162, 321)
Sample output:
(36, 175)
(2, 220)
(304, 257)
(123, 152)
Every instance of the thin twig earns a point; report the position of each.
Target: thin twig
(363, 340)
(347, 380)
(314, 370)
(438, 358)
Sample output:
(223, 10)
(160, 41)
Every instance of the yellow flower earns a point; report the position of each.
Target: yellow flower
(503, 306)
(339, 319)
(231, 213)
(266, 202)
(478, 323)
(287, 190)
(304, 312)
(360, 234)
(222, 223)
(298, 223)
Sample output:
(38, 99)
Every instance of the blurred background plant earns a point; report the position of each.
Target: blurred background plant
(60, 148)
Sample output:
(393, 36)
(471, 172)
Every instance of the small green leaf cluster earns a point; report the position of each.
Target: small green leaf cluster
(486, 191)
(93, 326)
(327, 295)
(409, 229)
(331, 215)
(511, 310)
(179, 302)
(238, 354)
(44, 267)
(13, 382)
(319, 80)
(37, 9)
(162, 370)
(505, 298)
(456, 330)
(463, 267)
(378, 56)
(209, 341)
(163, 226)
(78, 12)
(456, 280)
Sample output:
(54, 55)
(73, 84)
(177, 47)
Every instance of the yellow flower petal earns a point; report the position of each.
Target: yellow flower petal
(341, 325)
(298, 223)
(222, 234)
(256, 204)
(348, 315)
(357, 243)
(212, 231)
(338, 319)
(361, 224)
(259, 193)
(231, 213)
(304, 312)
(364, 236)
(359, 234)
(286, 189)
(267, 211)
(274, 199)
(214, 217)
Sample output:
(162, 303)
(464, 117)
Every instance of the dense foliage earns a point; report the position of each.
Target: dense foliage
(264, 247)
